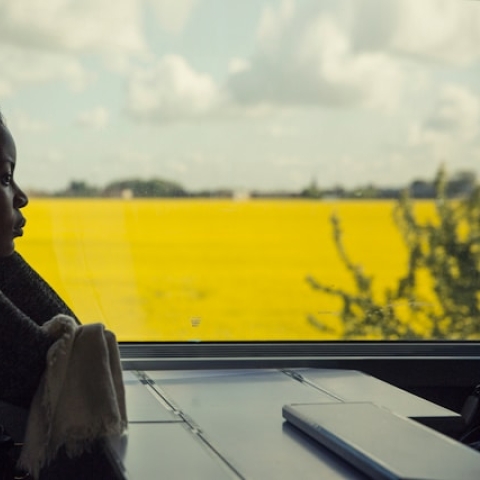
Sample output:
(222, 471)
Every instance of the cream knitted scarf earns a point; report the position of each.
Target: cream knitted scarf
(81, 396)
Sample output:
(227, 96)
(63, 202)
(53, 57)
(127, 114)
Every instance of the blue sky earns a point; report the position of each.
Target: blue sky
(242, 94)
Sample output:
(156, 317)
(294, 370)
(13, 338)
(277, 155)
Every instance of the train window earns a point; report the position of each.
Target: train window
(210, 170)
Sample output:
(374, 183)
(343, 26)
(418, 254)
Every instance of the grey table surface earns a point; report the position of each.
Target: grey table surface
(209, 424)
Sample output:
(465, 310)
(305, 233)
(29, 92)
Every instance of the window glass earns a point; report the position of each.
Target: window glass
(219, 170)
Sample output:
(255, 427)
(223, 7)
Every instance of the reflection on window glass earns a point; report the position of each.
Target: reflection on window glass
(261, 170)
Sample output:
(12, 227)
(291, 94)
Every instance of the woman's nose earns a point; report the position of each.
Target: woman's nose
(21, 199)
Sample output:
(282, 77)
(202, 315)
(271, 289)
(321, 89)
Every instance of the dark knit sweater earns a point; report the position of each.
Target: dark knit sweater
(26, 302)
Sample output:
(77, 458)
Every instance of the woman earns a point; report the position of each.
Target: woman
(26, 300)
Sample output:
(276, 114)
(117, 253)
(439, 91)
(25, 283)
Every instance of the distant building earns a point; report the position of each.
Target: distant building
(126, 193)
(240, 195)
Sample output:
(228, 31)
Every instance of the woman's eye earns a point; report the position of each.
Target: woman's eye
(7, 179)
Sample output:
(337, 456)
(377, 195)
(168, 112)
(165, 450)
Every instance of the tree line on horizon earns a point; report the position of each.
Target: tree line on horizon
(459, 184)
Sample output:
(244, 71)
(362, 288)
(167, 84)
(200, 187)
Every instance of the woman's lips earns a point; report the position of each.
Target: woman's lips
(18, 230)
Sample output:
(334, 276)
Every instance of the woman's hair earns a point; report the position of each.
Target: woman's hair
(2, 120)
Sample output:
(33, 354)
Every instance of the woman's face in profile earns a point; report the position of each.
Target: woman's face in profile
(12, 197)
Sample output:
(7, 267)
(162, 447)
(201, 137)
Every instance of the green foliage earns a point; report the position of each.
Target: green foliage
(446, 251)
(312, 191)
(145, 188)
(132, 187)
(78, 188)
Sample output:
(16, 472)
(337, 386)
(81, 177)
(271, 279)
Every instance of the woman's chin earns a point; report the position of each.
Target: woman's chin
(7, 250)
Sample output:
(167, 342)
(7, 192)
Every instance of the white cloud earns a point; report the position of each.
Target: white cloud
(96, 118)
(6, 88)
(54, 156)
(20, 67)
(307, 55)
(287, 161)
(237, 65)
(89, 25)
(277, 130)
(353, 53)
(171, 90)
(306, 58)
(272, 25)
(301, 59)
(173, 15)
(453, 124)
(20, 121)
(441, 30)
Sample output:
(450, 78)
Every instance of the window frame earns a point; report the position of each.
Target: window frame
(410, 365)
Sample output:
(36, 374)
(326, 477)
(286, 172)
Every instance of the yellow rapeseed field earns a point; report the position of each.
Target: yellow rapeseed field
(187, 270)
